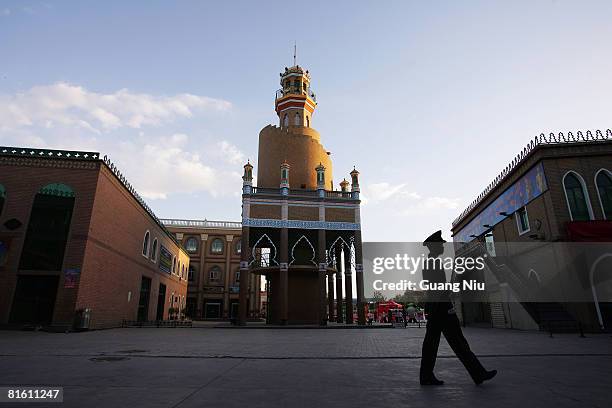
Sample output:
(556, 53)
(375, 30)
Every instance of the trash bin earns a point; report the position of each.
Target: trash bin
(82, 319)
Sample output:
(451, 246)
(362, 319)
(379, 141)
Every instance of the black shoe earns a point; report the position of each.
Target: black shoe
(431, 381)
(486, 376)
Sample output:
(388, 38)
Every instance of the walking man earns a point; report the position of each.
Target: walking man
(443, 320)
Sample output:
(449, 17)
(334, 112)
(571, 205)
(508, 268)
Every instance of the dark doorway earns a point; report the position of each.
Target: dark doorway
(143, 303)
(34, 299)
(190, 306)
(212, 309)
(161, 302)
(605, 308)
(48, 227)
(234, 305)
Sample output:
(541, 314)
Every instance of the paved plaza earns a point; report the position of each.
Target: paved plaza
(235, 367)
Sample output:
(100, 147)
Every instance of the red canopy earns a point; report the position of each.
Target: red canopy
(389, 304)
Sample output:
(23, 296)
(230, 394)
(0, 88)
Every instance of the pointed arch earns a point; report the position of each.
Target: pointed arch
(596, 299)
(339, 241)
(273, 251)
(577, 197)
(146, 244)
(533, 276)
(293, 252)
(603, 185)
(48, 228)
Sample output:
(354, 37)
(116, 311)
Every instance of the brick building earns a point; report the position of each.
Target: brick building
(557, 190)
(214, 249)
(74, 235)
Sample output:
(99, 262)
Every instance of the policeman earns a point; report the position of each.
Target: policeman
(443, 320)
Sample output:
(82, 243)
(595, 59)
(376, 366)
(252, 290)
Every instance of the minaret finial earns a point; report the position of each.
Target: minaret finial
(294, 53)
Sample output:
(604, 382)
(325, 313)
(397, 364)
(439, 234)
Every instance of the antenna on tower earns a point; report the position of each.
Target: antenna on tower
(294, 53)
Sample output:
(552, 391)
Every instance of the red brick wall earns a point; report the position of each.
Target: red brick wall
(555, 169)
(104, 241)
(22, 179)
(114, 264)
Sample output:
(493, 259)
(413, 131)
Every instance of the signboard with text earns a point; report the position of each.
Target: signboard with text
(165, 259)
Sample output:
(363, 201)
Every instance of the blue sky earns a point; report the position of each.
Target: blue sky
(430, 100)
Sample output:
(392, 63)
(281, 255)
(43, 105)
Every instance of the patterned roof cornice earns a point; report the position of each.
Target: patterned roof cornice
(541, 140)
(74, 155)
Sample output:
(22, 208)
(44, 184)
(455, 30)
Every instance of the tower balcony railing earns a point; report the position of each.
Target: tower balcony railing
(180, 223)
(338, 194)
(345, 195)
(281, 93)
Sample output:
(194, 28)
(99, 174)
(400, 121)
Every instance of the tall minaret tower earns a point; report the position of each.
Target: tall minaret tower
(298, 231)
(295, 101)
(294, 140)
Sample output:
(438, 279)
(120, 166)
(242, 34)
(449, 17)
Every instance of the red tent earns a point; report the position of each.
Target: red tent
(383, 307)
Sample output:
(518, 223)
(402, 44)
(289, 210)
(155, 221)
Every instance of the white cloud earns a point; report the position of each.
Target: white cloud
(160, 167)
(229, 152)
(410, 202)
(157, 166)
(157, 162)
(72, 105)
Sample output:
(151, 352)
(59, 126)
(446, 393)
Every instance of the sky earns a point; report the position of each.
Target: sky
(429, 100)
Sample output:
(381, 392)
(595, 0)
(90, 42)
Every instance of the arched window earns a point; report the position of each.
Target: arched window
(307, 121)
(286, 120)
(238, 246)
(296, 121)
(154, 250)
(214, 274)
(173, 264)
(577, 197)
(145, 244)
(2, 197)
(191, 245)
(48, 227)
(603, 181)
(216, 247)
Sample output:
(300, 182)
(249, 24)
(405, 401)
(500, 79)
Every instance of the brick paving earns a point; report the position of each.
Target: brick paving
(233, 367)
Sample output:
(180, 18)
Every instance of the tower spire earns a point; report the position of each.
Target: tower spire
(294, 53)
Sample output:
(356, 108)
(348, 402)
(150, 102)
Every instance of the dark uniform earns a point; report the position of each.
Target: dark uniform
(442, 319)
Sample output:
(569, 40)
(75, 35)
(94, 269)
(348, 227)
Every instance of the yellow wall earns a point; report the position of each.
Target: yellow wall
(302, 149)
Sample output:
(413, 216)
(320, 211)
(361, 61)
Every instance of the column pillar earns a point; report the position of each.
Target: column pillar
(348, 285)
(227, 276)
(330, 297)
(339, 315)
(361, 316)
(283, 282)
(244, 277)
(201, 277)
(322, 273)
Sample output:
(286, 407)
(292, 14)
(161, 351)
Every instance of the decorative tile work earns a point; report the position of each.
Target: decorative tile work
(542, 139)
(48, 153)
(326, 225)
